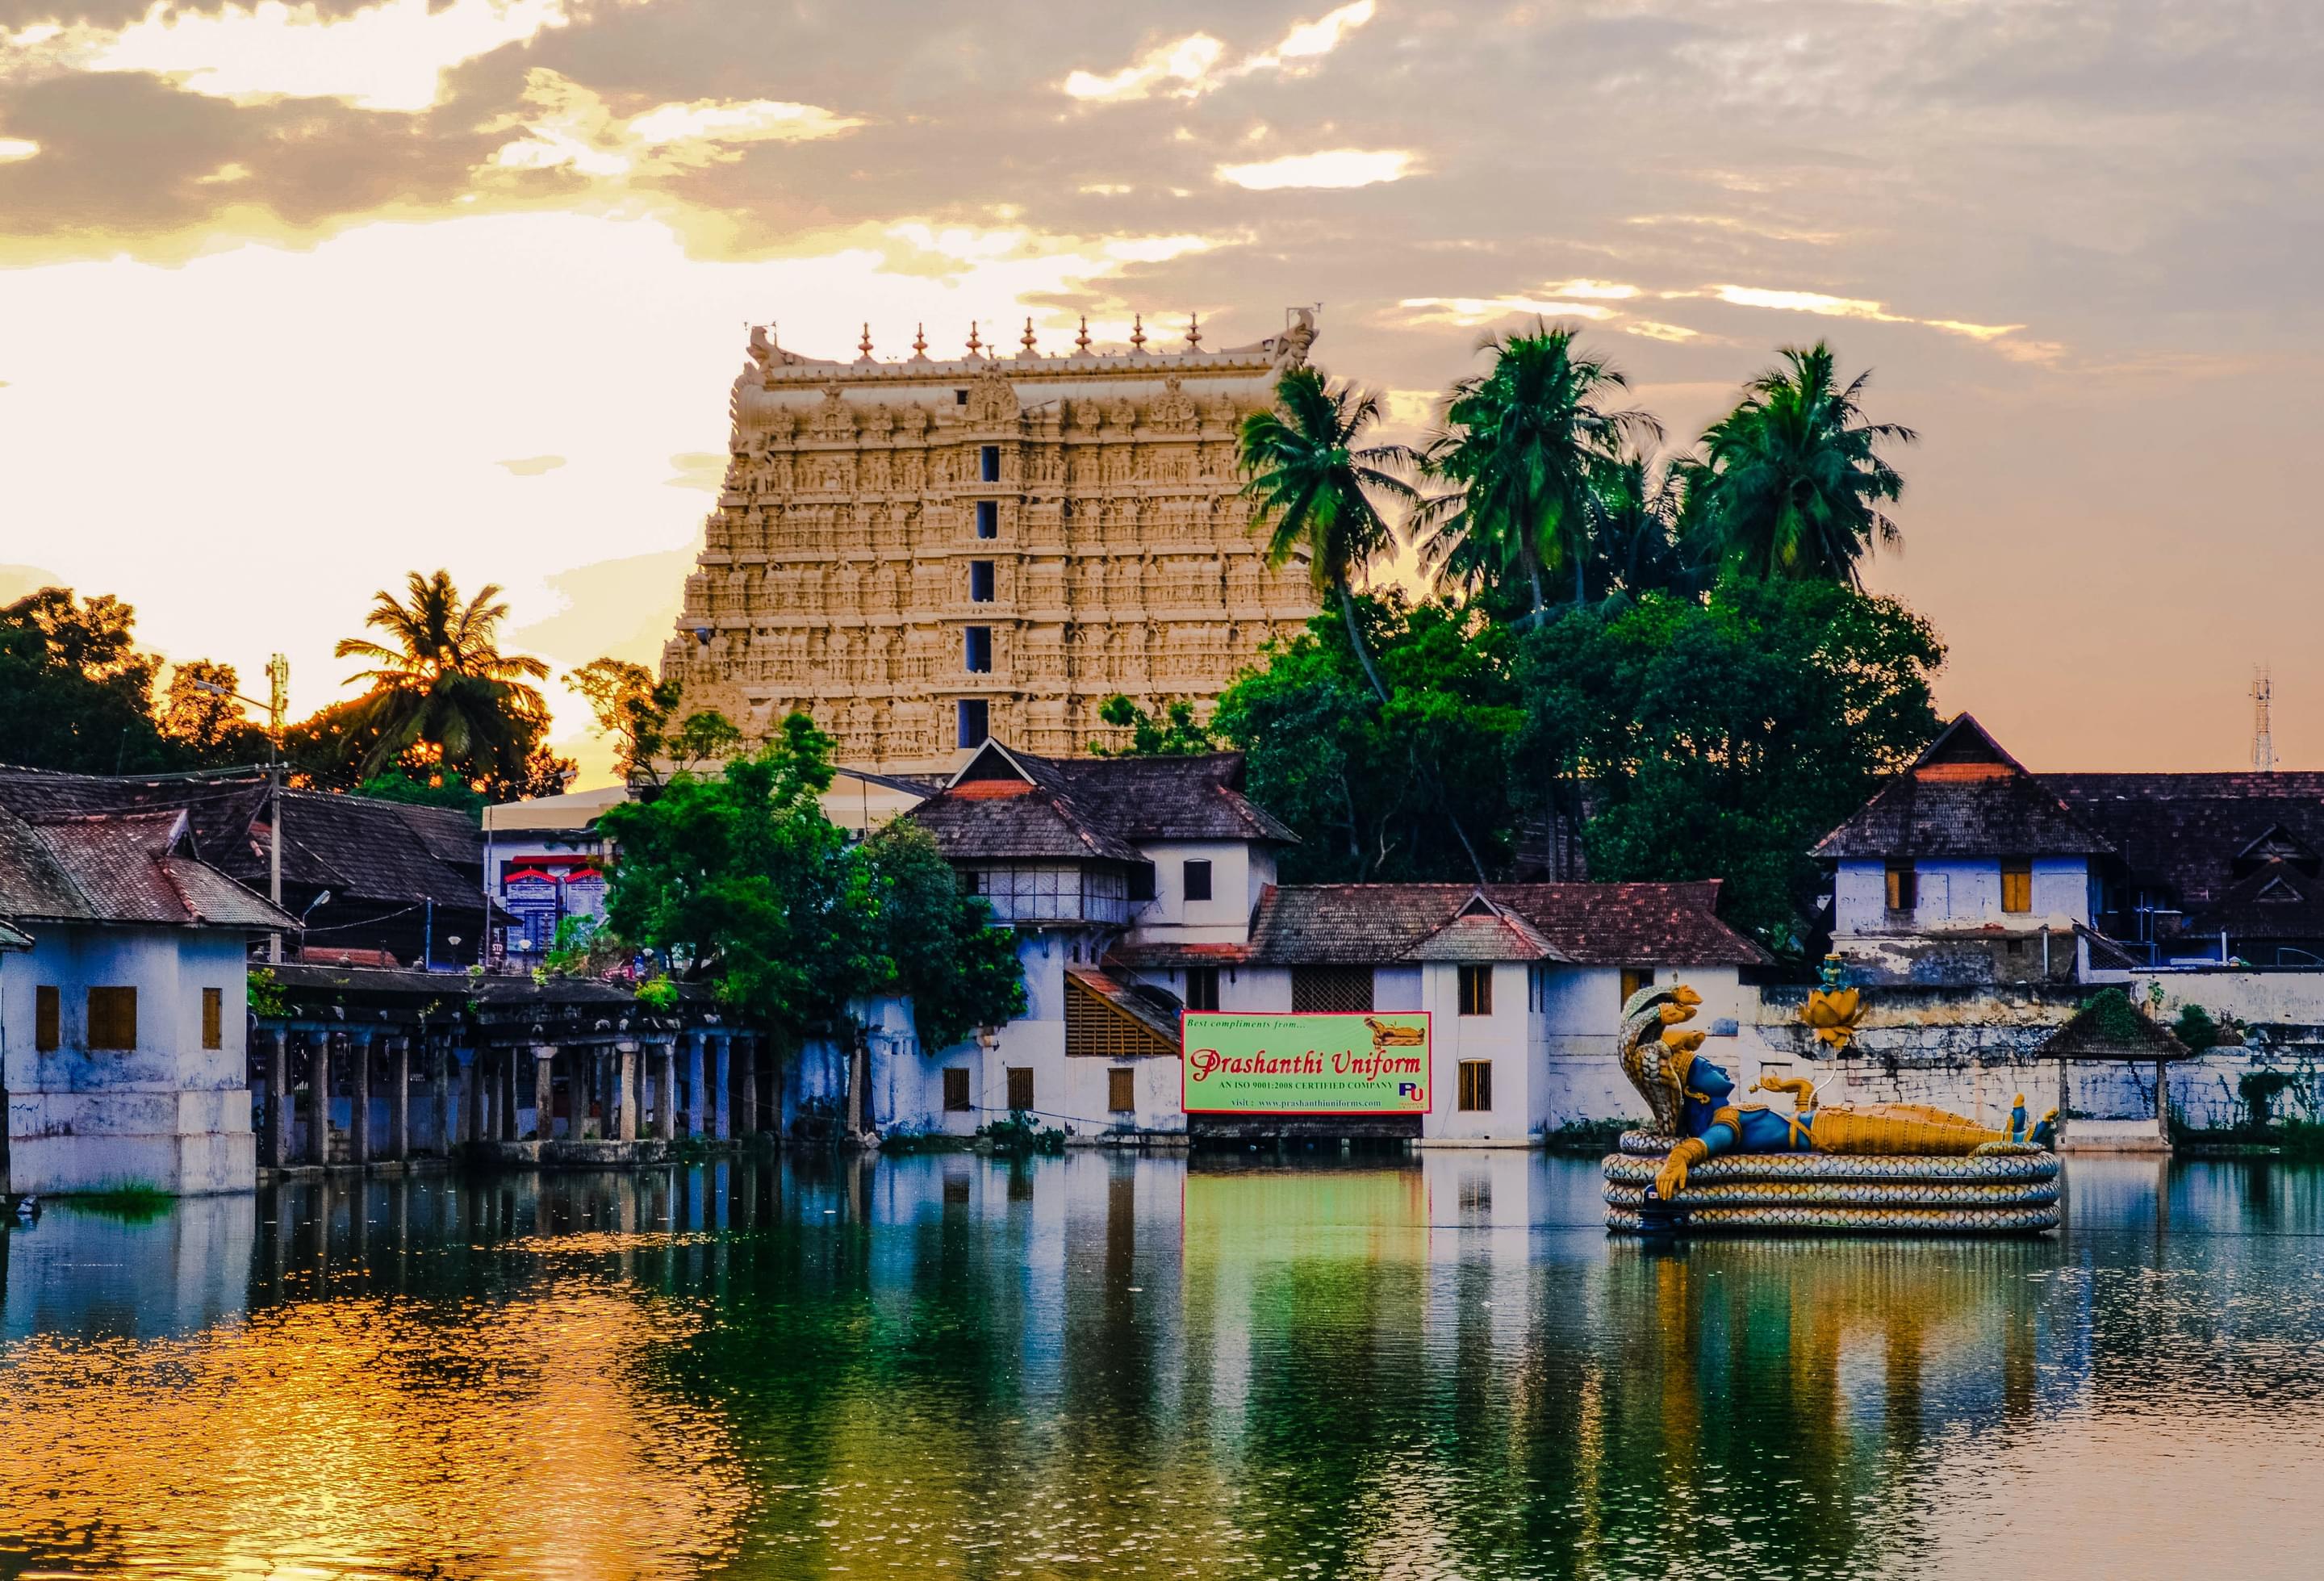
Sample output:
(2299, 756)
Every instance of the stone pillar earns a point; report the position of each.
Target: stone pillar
(319, 1081)
(441, 1063)
(746, 1083)
(472, 1092)
(398, 1101)
(626, 1083)
(696, 1119)
(544, 1091)
(666, 1101)
(279, 1100)
(507, 1095)
(359, 1096)
(721, 1094)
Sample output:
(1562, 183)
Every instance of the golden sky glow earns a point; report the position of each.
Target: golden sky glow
(301, 297)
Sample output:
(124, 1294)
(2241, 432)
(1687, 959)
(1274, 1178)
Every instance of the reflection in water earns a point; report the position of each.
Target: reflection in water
(1104, 1365)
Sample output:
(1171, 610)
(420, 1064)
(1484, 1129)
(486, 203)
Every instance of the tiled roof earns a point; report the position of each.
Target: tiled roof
(1150, 1007)
(1586, 924)
(119, 868)
(1008, 804)
(2187, 835)
(2092, 1034)
(1965, 798)
(356, 847)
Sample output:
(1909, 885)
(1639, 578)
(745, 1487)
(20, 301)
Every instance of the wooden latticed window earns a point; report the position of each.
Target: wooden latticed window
(1476, 1086)
(1020, 1086)
(113, 1018)
(1122, 1090)
(955, 1088)
(1098, 1029)
(1321, 990)
(2017, 883)
(48, 1016)
(1476, 990)
(213, 1018)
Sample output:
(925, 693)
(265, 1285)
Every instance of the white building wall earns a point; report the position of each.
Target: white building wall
(168, 1113)
(1957, 893)
(1503, 1038)
(1237, 872)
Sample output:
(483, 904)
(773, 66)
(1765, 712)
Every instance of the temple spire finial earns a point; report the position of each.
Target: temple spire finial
(1026, 340)
(1137, 335)
(1193, 332)
(919, 343)
(864, 344)
(972, 341)
(1082, 340)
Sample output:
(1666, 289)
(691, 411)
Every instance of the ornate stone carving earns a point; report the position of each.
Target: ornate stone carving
(836, 563)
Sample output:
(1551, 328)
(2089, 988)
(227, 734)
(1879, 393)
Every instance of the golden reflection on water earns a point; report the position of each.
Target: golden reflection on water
(1105, 1366)
(359, 1435)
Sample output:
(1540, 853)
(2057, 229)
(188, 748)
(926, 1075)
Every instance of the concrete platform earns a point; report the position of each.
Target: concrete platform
(2114, 1136)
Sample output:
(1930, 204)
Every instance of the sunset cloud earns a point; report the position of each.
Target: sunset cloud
(1337, 167)
(390, 56)
(1833, 306)
(13, 148)
(569, 127)
(1191, 67)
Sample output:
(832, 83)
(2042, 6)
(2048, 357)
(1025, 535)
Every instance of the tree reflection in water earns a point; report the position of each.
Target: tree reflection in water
(1120, 1365)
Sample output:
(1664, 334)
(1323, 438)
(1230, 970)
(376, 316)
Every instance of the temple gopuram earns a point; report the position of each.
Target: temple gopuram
(919, 554)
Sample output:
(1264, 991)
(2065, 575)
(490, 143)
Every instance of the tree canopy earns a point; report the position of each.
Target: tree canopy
(741, 882)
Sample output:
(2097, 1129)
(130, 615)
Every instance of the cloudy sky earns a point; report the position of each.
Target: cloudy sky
(295, 298)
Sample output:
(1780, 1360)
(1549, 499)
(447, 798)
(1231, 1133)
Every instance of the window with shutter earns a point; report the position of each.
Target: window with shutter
(1122, 1089)
(2017, 884)
(113, 1018)
(48, 1030)
(955, 1087)
(1020, 1086)
(1198, 880)
(1202, 987)
(1477, 1085)
(1476, 990)
(213, 1018)
(1634, 978)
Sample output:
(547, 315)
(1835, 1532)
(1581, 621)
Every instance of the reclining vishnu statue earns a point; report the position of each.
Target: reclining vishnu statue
(1691, 1099)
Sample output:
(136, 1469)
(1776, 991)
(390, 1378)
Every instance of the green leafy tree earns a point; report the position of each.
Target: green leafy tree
(200, 714)
(441, 690)
(76, 693)
(1176, 735)
(741, 882)
(937, 943)
(1373, 788)
(1521, 451)
(1791, 482)
(1315, 487)
(633, 710)
(1722, 739)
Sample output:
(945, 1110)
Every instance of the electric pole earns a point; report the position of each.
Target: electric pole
(278, 706)
(2262, 734)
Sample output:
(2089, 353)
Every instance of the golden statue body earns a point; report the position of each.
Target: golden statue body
(1689, 1096)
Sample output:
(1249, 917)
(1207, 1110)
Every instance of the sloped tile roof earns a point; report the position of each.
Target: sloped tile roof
(1585, 924)
(357, 847)
(2183, 834)
(1964, 798)
(120, 868)
(1136, 1000)
(1007, 804)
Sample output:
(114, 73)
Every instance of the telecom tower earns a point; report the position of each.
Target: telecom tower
(2263, 738)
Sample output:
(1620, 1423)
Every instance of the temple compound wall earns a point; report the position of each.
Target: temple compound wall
(921, 553)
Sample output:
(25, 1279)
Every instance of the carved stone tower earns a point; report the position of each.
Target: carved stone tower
(918, 553)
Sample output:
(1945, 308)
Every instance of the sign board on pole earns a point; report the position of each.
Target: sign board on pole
(1251, 1063)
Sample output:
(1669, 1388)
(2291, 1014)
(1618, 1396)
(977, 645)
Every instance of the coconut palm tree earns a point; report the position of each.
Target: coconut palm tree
(1791, 480)
(1316, 486)
(441, 683)
(1639, 509)
(1519, 447)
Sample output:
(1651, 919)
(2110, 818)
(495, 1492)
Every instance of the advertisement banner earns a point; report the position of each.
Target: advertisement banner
(1248, 1063)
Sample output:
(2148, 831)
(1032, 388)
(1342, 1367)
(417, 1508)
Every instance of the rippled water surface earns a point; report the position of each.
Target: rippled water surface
(1098, 1366)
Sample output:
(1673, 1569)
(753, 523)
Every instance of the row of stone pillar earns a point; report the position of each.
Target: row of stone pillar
(605, 1087)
